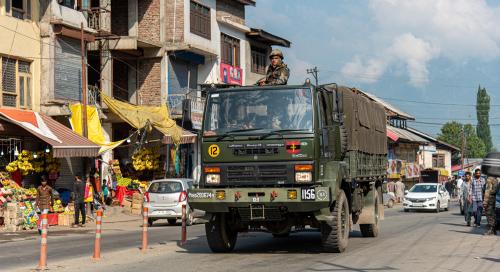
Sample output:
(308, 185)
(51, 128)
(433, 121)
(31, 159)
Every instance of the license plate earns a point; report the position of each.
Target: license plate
(164, 212)
(418, 205)
(308, 194)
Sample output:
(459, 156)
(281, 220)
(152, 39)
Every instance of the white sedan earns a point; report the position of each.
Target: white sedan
(427, 196)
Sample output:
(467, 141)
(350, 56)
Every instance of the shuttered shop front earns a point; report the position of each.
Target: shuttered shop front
(68, 69)
(69, 168)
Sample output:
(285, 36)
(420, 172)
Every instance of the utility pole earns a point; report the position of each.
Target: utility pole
(463, 147)
(314, 72)
(84, 86)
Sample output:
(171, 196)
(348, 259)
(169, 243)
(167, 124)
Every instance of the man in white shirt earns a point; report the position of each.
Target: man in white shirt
(460, 181)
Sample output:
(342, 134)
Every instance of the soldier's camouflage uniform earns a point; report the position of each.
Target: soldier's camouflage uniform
(490, 192)
(277, 75)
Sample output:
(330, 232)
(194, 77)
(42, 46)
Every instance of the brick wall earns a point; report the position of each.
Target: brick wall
(231, 10)
(179, 21)
(149, 20)
(119, 17)
(149, 81)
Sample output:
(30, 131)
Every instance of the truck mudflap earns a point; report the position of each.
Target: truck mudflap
(305, 199)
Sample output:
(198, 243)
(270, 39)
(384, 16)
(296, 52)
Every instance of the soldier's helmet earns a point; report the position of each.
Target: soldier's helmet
(276, 52)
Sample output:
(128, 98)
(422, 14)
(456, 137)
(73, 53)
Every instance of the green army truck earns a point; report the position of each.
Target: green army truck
(291, 158)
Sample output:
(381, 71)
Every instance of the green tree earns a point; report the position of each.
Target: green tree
(451, 133)
(483, 116)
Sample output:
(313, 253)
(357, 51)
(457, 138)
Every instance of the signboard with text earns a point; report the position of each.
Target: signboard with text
(230, 74)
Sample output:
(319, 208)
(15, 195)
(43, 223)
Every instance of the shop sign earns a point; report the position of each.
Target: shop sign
(230, 74)
(197, 107)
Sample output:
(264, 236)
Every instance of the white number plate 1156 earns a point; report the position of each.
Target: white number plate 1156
(308, 194)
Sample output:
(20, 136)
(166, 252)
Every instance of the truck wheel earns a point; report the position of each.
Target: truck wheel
(335, 234)
(371, 230)
(220, 237)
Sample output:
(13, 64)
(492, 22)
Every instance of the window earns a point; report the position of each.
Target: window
(20, 9)
(200, 20)
(15, 86)
(438, 160)
(230, 50)
(258, 60)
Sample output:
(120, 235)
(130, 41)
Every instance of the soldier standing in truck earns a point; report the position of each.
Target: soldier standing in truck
(277, 72)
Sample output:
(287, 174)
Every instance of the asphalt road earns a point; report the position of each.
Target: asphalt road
(407, 242)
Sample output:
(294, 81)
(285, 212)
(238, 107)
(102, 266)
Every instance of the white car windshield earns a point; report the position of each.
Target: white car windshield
(165, 187)
(424, 189)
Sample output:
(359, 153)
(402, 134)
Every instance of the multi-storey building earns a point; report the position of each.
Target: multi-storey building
(20, 54)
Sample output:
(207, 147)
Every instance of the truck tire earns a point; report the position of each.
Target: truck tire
(335, 234)
(371, 230)
(220, 237)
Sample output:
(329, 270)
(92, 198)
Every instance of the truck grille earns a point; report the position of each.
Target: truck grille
(257, 173)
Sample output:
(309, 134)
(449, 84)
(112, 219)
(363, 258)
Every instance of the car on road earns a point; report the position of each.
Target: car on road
(427, 196)
(166, 198)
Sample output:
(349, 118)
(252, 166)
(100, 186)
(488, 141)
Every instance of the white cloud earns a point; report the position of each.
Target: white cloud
(415, 32)
(298, 67)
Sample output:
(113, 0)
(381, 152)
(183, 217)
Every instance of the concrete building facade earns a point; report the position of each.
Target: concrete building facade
(20, 54)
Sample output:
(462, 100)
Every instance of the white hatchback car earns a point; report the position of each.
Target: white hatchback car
(427, 196)
(166, 197)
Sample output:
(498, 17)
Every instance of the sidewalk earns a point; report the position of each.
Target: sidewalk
(113, 218)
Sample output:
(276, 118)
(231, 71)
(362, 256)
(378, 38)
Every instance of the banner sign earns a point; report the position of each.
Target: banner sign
(230, 74)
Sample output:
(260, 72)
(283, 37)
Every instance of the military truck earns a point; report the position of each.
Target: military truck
(285, 159)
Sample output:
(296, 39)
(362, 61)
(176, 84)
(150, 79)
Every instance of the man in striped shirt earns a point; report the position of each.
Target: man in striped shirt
(476, 196)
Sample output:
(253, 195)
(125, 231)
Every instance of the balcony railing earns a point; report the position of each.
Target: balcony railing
(96, 19)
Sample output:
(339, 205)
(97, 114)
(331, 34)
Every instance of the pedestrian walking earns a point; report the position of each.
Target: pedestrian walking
(449, 187)
(490, 193)
(476, 196)
(399, 188)
(467, 202)
(44, 196)
(391, 186)
(89, 197)
(459, 186)
(79, 196)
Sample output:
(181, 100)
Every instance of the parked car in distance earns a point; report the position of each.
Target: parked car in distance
(427, 196)
(166, 197)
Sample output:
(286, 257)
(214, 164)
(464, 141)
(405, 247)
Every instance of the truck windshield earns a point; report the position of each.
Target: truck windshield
(258, 111)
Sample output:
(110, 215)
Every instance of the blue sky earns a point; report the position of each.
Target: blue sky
(426, 50)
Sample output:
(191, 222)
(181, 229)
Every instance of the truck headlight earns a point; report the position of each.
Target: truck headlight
(213, 179)
(303, 173)
(303, 177)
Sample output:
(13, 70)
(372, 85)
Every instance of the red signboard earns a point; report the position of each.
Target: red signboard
(230, 74)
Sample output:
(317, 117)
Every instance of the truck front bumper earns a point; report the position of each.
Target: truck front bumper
(211, 201)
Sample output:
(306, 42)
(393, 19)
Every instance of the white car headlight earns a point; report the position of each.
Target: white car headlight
(430, 198)
(213, 178)
(303, 177)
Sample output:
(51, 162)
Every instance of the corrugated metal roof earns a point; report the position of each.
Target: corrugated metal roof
(389, 107)
(433, 139)
(70, 144)
(403, 134)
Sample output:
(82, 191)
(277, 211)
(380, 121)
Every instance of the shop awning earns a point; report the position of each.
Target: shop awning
(64, 142)
(399, 134)
(142, 116)
(187, 137)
